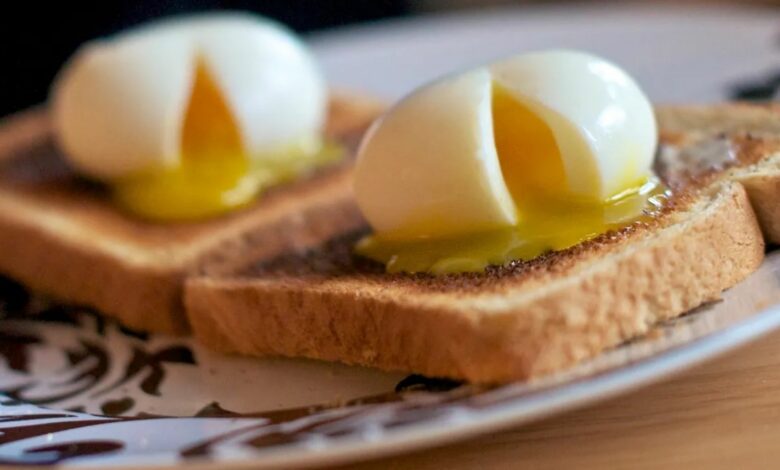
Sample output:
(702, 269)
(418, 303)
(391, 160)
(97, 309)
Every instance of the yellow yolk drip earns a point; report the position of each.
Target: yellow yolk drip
(214, 175)
(533, 170)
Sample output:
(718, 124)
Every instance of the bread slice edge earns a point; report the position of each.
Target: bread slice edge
(143, 287)
(492, 338)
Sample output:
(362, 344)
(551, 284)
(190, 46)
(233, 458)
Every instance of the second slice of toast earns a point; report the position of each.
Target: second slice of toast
(62, 236)
(527, 318)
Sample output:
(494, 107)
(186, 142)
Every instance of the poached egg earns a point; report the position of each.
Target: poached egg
(534, 153)
(190, 117)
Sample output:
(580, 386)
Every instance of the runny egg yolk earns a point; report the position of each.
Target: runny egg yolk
(548, 219)
(214, 174)
(527, 151)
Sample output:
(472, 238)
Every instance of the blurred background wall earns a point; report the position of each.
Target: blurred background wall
(38, 35)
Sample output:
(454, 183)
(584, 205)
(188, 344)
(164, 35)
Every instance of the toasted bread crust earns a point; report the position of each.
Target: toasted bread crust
(533, 325)
(537, 318)
(509, 323)
(764, 191)
(62, 237)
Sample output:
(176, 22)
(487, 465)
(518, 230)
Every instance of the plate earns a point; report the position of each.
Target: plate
(82, 391)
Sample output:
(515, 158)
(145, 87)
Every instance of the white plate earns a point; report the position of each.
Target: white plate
(68, 366)
(180, 403)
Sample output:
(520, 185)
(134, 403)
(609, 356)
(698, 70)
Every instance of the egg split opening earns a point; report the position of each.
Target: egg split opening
(527, 150)
(551, 170)
(214, 173)
(209, 128)
(532, 164)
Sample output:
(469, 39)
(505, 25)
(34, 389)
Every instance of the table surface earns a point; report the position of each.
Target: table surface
(722, 414)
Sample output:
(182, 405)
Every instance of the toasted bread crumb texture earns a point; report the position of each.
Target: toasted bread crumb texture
(735, 141)
(536, 324)
(525, 319)
(60, 235)
(257, 287)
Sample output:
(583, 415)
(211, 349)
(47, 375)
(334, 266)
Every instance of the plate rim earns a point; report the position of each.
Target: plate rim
(513, 412)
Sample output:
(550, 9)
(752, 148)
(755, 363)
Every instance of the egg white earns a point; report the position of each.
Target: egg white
(119, 104)
(430, 167)
(429, 162)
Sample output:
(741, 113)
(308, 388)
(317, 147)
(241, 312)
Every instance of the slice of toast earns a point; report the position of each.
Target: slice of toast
(62, 236)
(735, 141)
(527, 318)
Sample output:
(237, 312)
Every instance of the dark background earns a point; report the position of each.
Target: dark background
(36, 37)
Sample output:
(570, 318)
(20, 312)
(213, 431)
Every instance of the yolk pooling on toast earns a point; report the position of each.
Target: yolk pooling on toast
(540, 231)
(533, 171)
(215, 175)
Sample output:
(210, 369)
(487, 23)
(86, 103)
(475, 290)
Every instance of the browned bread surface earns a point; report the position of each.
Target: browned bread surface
(528, 318)
(734, 141)
(62, 236)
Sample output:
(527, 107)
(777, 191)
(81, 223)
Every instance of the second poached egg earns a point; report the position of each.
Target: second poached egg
(531, 153)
